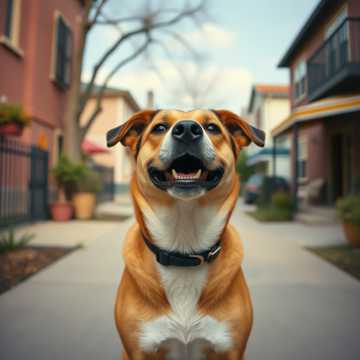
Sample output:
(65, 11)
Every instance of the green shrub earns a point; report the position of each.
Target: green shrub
(272, 213)
(279, 208)
(10, 113)
(90, 182)
(348, 209)
(65, 171)
(68, 174)
(282, 200)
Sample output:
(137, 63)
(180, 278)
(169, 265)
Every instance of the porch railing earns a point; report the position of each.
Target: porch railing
(340, 50)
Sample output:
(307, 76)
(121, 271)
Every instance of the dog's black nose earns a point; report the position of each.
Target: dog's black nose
(187, 131)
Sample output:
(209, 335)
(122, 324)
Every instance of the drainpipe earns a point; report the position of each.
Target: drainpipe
(296, 170)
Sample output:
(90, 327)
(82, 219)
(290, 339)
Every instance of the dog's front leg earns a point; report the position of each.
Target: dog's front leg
(140, 355)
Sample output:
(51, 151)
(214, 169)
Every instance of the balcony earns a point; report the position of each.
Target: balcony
(335, 66)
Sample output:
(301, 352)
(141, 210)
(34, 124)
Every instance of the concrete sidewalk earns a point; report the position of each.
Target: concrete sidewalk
(66, 310)
(304, 308)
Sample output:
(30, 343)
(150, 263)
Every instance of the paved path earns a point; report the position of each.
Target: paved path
(66, 310)
(304, 307)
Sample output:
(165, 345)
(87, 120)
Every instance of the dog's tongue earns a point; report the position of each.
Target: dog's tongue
(183, 175)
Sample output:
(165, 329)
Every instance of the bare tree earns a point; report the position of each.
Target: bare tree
(152, 25)
(198, 86)
(197, 82)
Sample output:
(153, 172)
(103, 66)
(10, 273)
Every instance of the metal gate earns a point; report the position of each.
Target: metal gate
(23, 182)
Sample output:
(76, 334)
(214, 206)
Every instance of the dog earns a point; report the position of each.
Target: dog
(183, 294)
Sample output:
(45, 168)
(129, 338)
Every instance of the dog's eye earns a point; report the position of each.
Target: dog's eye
(159, 128)
(212, 128)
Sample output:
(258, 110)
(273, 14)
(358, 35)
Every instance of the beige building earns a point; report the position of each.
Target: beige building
(117, 106)
(269, 104)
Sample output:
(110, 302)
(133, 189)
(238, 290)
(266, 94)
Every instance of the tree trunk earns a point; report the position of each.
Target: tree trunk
(72, 130)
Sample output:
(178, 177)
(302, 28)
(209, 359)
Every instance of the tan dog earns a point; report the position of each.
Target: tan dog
(183, 294)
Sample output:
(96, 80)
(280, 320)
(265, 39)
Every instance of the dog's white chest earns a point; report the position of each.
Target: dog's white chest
(183, 331)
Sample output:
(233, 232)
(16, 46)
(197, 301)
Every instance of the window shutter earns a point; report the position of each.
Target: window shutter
(63, 53)
(68, 52)
(8, 19)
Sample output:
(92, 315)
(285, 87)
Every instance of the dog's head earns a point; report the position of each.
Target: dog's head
(185, 154)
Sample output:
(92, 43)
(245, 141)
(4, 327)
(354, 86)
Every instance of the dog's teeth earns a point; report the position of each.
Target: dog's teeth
(185, 176)
(198, 174)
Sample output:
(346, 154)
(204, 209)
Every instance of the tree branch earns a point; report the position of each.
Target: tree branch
(97, 13)
(100, 93)
(147, 27)
(108, 21)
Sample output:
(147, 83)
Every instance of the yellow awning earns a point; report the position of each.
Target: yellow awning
(319, 109)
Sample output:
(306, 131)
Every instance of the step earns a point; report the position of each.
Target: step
(113, 211)
(317, 217)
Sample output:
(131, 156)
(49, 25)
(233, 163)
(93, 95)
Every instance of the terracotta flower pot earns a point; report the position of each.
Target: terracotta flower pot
(61, 211)
(11, 128)
(84, 205)
(352, 232)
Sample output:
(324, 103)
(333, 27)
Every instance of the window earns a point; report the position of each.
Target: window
(12, 21)
(337, 53)
(300, 79)
(58, 144)
(302, 154)
(340, 18)
(63, 50)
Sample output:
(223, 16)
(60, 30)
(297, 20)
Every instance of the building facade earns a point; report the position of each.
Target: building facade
(268, 105)
(37, 39)
(117, 106)
(324, 124)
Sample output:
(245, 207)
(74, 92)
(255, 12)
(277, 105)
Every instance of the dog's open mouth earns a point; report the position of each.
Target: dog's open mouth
(186, 171)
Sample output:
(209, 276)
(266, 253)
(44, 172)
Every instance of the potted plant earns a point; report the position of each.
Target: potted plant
(12, 119)
(66, 175)
(349, 211)
(84, 198)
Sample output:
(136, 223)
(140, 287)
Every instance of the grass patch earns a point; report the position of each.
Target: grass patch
(344, 257)
(8, 240)
(271, 214)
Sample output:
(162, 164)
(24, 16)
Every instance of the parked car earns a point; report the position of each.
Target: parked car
(255, 182)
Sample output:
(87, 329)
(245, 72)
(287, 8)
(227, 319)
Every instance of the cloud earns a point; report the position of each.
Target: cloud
(211, 34)
(229, 86)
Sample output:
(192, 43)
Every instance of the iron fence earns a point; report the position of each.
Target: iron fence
(23, 182)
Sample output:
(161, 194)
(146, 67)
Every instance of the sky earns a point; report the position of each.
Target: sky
(239, 43)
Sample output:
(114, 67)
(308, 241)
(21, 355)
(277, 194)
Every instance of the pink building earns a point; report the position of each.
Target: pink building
(37, 39)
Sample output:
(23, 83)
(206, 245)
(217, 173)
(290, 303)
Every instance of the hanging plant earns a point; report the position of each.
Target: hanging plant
(12, 119)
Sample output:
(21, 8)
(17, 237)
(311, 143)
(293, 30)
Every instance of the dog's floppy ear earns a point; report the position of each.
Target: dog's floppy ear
(242, 132)
(129, 132)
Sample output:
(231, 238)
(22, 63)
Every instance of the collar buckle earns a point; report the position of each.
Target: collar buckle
(199, 257)
(213, 253)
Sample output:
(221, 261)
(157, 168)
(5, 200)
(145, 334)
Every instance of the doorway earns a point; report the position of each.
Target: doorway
(341, 165)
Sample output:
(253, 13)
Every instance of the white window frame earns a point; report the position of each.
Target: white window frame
(300, 76)
(302, 157)
(12, 40)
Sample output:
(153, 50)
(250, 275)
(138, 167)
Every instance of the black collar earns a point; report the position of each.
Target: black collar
(172, 258)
